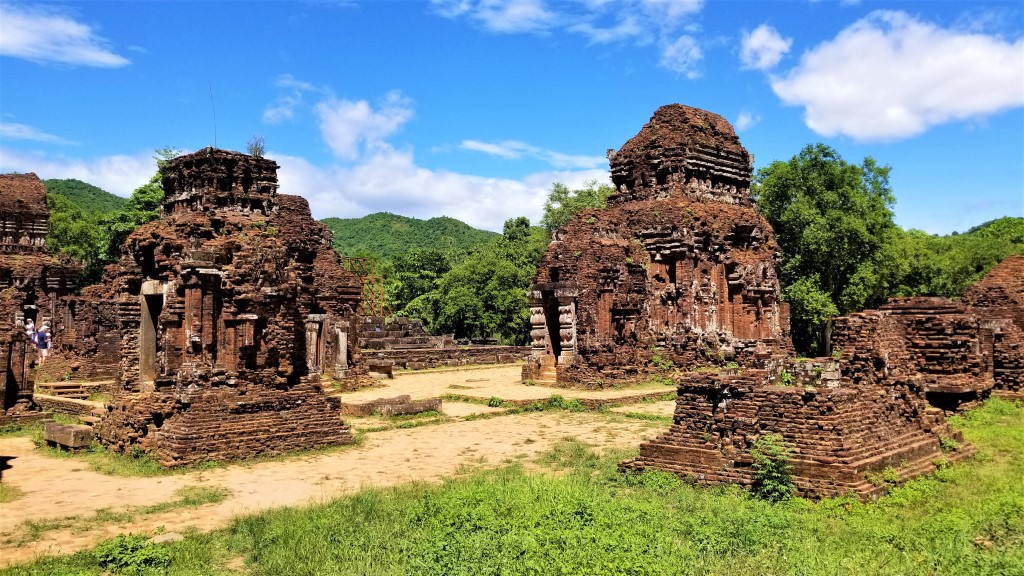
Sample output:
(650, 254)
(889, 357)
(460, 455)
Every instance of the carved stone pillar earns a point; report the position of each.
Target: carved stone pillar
(314, 341)
(567, 329)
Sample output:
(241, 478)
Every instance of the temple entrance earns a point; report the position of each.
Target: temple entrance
(551, 322)
(152, 305)
(11, 388)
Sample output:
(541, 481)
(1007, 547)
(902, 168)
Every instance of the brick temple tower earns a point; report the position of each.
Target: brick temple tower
(32, 281)
(232, 308)
(678, 267)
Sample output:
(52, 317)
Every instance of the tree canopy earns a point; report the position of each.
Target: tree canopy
(562, 203)
(384, 236)
(88, 198)
(834, 223)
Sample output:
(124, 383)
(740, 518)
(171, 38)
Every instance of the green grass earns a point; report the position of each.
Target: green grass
(585, 517)
(9, 493)
(185, 497)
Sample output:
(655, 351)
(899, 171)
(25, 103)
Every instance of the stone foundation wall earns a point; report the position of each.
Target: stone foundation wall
(418, 359)
(69, 406)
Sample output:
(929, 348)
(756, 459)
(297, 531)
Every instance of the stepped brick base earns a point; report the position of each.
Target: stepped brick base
(225, 424)
(838, 435)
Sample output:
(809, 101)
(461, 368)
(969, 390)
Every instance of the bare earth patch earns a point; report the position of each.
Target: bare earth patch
(57, 488)
(484, 383)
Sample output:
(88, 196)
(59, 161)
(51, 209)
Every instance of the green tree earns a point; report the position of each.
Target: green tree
(833, 221)
(143, 206)
(77, 234)
(484, 295)
(562, 203)
(414, 274)
(946, 265)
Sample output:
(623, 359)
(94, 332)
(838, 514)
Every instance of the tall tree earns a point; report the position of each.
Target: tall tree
(562, 203)
(834, 223)
(76, 233)
(484, 296)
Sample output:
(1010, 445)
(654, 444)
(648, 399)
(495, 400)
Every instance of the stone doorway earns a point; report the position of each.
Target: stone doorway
(152, 306)
(551, 322)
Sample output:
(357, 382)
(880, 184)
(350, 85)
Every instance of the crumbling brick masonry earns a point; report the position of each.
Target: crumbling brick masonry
(32, 282)
(232, 306)
(678, 268)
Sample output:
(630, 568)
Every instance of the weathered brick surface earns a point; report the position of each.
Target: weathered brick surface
(398, 333)
(413, 407)
(89, 342)
(679, 266)
(998, 300)
(838, 435)
(32, 282)
(418, 359)
(934, 342)
(230, 308)
(69, 406)
(371, 406)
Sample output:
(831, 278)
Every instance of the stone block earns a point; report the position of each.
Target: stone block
(70, 436)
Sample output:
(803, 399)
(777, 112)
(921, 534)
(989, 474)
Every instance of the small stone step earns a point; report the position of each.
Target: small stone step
(89, 420)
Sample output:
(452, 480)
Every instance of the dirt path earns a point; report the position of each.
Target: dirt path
(61, 487)
(483, 383)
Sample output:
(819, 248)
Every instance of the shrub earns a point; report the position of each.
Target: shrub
(949, 444)
(785, 378)
(660, 363)
(132, 555)
(773, 474)
(495, 402)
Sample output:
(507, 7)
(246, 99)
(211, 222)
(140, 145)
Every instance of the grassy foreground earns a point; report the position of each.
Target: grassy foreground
(589, 519)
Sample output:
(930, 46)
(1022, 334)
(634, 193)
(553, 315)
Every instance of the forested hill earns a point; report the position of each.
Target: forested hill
(386, 235)
(85, 196)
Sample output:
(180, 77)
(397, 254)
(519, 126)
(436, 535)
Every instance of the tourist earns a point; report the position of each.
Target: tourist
(42, 340)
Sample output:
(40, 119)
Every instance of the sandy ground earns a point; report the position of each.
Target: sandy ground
(57, 488)
(661, 408)
(484, 383)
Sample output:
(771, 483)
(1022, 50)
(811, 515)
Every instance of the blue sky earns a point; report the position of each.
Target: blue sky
(472, 108)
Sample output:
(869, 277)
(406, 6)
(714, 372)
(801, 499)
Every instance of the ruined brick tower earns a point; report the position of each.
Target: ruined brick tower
(32, 281)
(678, 268)
(232, 306)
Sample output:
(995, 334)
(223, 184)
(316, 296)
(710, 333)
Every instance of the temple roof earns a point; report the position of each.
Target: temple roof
(676, 125)
(23, 194)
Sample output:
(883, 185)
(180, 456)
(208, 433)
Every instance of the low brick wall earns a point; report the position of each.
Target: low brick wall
(420, 358)
(69, 406)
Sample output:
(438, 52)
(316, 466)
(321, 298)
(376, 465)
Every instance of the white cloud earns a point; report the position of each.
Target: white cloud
(668, 12)
(353, 127)
(503, 16)
(293, 91)
(763, 48)
(629, 27)
(890, 76)
(514, 149)
(41, 34)
(682, 56)
(667, 23)
(119, 174)
(746, 120)
(390, 180)
(14, 131)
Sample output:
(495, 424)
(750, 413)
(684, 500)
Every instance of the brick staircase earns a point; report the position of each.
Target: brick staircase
(63, 390)
(548, 372)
